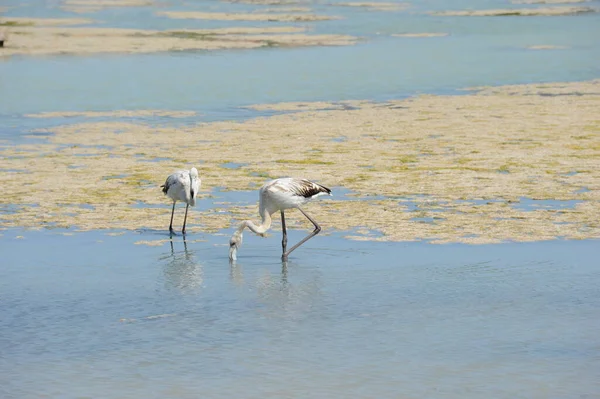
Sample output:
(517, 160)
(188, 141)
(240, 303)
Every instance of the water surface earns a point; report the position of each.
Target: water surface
(341, 319)
(92, 315)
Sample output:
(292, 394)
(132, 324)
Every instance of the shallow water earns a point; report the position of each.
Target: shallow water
(478, 51)
(92, 315)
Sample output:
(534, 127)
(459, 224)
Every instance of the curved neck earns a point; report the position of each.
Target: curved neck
(260, 229)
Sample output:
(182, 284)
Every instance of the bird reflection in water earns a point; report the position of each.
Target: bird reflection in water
(236, 273)
(182, 270)
(293, 292)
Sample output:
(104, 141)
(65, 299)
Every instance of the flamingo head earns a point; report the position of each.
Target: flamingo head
(234, 243)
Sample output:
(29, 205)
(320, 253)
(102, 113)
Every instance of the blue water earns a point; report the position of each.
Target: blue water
(479, 51)
(92, 315)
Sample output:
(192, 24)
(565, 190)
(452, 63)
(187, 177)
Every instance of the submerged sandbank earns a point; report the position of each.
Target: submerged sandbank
(374, 6)
(548, 1)
(270, 2)
(224, 16)
(115, 114)
(424, 34)
(464, 168)
(546, 47)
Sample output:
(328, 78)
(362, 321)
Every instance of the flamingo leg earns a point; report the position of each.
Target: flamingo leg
(308, 237)
(185, 218)
(172, 213)
(284, 239)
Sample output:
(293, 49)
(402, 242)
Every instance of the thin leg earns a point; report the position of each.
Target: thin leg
(185, 219)
(308, 237)
(172, 213)
(284, 273)
(284, 239)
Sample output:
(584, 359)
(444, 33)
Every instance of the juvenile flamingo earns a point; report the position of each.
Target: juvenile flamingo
(183, 186)
(279, 195)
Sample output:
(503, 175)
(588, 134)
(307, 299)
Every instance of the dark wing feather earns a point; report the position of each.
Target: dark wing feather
(307, 189)
(171, 180)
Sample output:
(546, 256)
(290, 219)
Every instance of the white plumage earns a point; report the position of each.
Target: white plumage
(182, 185)
(279, 195)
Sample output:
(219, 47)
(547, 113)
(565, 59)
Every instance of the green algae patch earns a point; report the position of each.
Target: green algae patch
(90, 6)
(28, 22)
(16, 23)
(30, 36)
(470, 168)
(305, 106)
(510, 12)
(34, 40)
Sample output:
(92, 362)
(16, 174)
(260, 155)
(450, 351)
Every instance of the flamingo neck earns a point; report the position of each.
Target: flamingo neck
(257, 229)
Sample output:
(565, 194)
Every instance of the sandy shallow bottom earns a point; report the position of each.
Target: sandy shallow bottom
(507, 163)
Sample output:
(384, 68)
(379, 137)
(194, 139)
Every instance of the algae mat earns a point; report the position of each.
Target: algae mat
(507, 163)
(37, 36)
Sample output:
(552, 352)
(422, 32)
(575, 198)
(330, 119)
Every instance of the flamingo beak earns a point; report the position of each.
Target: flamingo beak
(233, 252)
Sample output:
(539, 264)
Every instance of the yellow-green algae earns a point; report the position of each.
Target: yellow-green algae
(542, 11)
(442, 152)
(87, 6)
(22, 21)
(48, 36)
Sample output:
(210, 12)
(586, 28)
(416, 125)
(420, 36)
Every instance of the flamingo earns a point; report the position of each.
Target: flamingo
(279, 195)
(182, 185)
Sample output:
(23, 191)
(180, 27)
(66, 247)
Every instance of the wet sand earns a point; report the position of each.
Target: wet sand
(442, 168)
